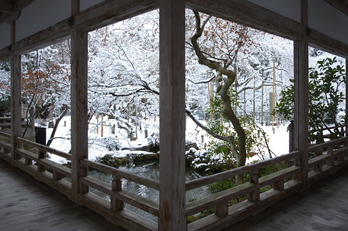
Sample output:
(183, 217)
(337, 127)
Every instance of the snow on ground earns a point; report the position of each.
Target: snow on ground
(278, 141)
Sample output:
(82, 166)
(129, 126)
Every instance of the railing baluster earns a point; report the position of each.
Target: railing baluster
(116, 205)
(279, 185)
(254, 196)
(41, 155)
(330, 162)
(57, 176)
(222, 210)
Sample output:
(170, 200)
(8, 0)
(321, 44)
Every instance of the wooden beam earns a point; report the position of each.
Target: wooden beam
(16, 7)
(172, 115)
(255, 16)
(250, 14)
(109, 12)
(326, 43)
(6, 6)
(5, 54)
(97, 16)
(341, 5)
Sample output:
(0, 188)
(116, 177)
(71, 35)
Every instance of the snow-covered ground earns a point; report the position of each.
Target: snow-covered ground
(278, 140)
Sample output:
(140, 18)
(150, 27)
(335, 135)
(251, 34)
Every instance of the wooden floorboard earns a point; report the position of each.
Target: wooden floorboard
(27, 204)
(322, 207)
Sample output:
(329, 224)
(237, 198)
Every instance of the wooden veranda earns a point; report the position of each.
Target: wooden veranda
(298, 20)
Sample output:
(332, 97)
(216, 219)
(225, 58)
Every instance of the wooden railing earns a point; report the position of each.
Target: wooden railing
(280, 183)
(31, 158)
(228, 206)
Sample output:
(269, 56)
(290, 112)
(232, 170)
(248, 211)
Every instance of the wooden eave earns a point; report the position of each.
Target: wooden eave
(10, 9)
(249, 14)
(243, 12)
(341, 5)
(100, 15)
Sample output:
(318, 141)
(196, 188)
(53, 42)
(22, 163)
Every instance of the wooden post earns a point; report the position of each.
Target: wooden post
(79, 110)
(254, 196)
(172, 115)
(116, 204)
(16, 79)
(301, 97)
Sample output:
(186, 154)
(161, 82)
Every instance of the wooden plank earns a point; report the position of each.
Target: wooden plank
(40, 207)
(172, 116)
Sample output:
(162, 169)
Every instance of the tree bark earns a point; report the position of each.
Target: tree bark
(223, 90)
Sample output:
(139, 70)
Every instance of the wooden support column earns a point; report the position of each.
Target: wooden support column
(301, 96)
(172, 115)
(16, 79)
(79, 107)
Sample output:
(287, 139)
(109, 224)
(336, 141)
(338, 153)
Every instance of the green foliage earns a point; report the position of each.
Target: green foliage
(222, 185)
(5, 103)
(6, 66)
(254, 135)
(326, 83)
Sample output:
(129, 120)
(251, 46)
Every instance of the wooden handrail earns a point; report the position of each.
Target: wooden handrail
(4, 134)
(328, 144)
(121, 174)
(237, 171)
(45, 148)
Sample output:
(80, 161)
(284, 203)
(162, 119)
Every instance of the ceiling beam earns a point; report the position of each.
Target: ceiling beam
(100, 15)
(250, 14)
(341, 5)
(6, 6)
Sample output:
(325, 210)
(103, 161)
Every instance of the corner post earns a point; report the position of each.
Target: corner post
(79, 106)
(172, 115)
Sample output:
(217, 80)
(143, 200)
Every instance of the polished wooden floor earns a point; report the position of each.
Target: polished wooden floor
(26, 204)
(322, 207)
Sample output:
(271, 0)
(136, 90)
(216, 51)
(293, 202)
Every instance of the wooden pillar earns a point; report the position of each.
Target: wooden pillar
(172, 115)
(301, 97)
(16, 77)
(79, 104)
